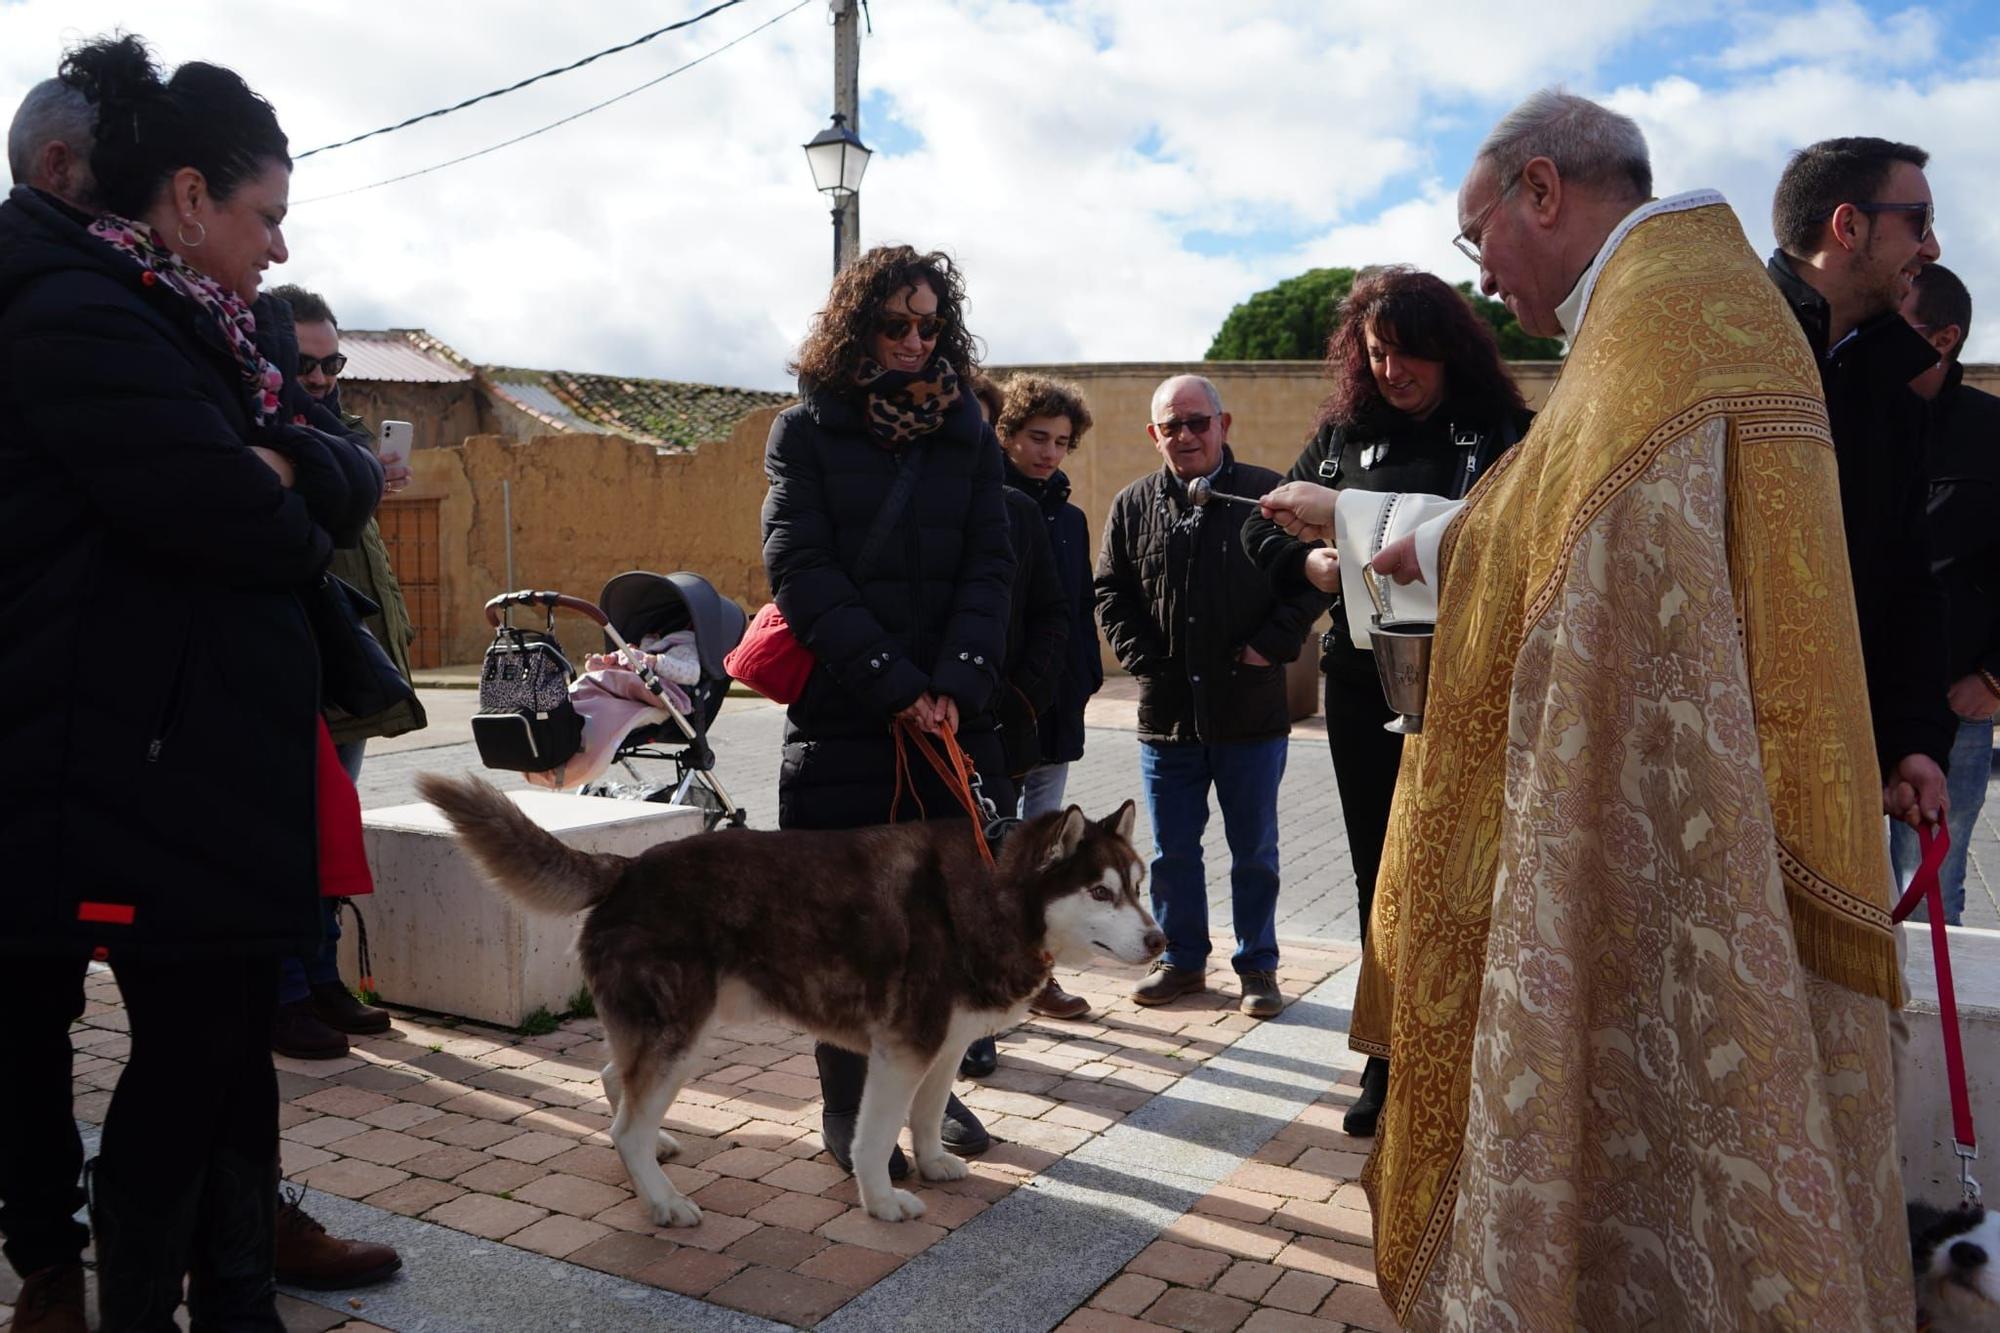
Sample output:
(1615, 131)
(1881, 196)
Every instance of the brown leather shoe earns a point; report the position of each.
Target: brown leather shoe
(51, 1301)
(1167, 982)
(1055, 1002)
(1261, 997)
(305, 1256)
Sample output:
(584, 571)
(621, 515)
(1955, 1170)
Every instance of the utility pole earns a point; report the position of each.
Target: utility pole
(847, 102)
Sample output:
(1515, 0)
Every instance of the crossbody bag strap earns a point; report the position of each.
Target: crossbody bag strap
(892, 508)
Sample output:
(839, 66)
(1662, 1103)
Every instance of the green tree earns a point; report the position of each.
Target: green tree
(1291, 321)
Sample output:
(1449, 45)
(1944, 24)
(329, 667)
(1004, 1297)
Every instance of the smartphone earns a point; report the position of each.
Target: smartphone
(395, 440)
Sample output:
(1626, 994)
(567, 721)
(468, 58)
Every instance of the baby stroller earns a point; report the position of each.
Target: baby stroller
(528, 723)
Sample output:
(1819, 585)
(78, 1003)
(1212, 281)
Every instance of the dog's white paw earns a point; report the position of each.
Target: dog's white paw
(942, 1167)
(675, 1212)
(669, 1146)
(899, 1206)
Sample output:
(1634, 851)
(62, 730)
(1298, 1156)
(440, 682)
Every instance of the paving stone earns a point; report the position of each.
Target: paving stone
(1198, 1311)
(1266, 1178)
(592, 1163)
(778, 1247)
(1244, 1240)
(489, 1105)
(445, 1163)
(1337, 1165)
(385, 1147)
(1269, 1320)
(805, 1177)
(1330, 1258)
(322, 1130)
(475, 1132)
(294, 1158)
(558, 1236)
(1059, 1139)
(533, 1146)
(1248, 1280)
(690, 1272)
(1128, 1293)
(415, 1196)
(351, 1179)
(856, 1227)
(1298, 1291)
(745, 1163)
(1180, 1264)
(950, 1211)
(403, 1116)
(736, 1197)
(484, 1215)
(570, 1194)
(803, 1212)
(623, 1253)
(1353, 1225)
(1242, 1205)
(1088, 1320)
(852, 1266)
(569, 1121)
(352, 1103)
(716, 1231)
(790, 1298)
(1358, 1307)
(1095, 1119)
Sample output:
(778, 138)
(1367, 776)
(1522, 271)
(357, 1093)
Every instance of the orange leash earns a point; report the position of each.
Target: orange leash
(952, 765)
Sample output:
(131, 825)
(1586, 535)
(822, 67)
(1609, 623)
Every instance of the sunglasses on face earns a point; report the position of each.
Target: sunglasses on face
(897, 327)
(1924, 215)
(332, 365)
(1173, 426)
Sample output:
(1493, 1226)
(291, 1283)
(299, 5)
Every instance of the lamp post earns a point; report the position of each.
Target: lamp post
(838, 158)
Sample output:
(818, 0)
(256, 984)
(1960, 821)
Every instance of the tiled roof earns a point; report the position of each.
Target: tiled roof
(677, 415)
(404, 356)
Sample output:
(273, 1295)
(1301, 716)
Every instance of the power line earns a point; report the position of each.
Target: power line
(508, 143)
(516, 87)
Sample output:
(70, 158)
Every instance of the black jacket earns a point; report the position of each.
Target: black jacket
(1178, 599)
(930, 616)
(1964, 457)
(1037, 630)
(162, 730)
(1879, 426)
(1440, 455)
(1082, 672)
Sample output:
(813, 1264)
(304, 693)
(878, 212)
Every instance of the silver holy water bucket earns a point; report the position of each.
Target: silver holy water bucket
(1403, 661)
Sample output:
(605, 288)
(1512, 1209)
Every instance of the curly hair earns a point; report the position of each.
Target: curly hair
(838, 341)
(1421, 315)
(989, 394)
(1031, 396)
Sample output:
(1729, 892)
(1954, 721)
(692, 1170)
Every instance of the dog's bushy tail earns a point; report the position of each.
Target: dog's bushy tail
(525, 860)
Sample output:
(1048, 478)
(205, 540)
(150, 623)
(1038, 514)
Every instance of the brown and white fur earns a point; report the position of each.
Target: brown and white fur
(896, 941)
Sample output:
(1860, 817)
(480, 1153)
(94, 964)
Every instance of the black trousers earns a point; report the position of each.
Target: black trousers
(41, 1155)
(1365, 762)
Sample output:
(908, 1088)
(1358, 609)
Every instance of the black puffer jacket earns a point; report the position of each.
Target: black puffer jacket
(1965, 520)
(1178, 599)
(1879, 428)
(159, 790)
(930, 616)
(1083, 666)
(1037, 630)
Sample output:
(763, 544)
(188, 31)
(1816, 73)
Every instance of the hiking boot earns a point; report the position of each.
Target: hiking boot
(962, 1133)
(1054, 1002)
(1167, 982)
(980, 1059)
(842, 1075)
(1367, 1108)
(305, 1256)
(1260, 995)
(51, 1301)
(302, 1034)
(337, 1007)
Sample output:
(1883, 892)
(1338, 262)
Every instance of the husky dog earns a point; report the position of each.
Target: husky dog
(1956, 1254)
(897, 941)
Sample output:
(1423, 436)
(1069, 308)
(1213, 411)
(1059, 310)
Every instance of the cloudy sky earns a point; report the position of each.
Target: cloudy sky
(1112, 174)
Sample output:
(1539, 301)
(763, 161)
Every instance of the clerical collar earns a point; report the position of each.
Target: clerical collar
(1570, 313)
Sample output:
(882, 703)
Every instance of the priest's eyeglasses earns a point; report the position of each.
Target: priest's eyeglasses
(1925, 213)
(1467, 239)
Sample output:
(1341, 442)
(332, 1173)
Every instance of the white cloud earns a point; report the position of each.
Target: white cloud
(1839, 30)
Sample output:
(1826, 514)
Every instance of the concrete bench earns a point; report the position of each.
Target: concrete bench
(442, 938)
(1930, 1169)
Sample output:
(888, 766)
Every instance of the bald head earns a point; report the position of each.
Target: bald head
(49, 143)
(1189, 426)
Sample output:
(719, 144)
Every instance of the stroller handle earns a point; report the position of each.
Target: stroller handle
(496, 608)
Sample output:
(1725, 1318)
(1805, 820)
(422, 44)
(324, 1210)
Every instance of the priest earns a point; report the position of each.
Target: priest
(1633, 916)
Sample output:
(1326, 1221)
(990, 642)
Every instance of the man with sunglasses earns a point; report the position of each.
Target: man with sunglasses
(1198, 624)
(1853, 220)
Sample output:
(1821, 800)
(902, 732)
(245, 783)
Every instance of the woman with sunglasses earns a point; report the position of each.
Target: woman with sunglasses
(887, 456)
(1423, 404)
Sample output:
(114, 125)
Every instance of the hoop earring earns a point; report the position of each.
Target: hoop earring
(180, 234)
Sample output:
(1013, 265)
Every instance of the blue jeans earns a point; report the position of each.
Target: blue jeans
(1965, 788)
(297, 976)
(1245, 778)
(1042, 789)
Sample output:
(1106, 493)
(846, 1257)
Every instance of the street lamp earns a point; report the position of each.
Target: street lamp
(837, 158)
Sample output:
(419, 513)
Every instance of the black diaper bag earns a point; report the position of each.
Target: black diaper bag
(525, 721)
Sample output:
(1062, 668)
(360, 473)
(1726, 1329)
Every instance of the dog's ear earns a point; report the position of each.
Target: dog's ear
(1068, 834)
(1121, 822)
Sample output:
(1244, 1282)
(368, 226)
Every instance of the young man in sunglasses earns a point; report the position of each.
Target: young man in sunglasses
(1853, 220)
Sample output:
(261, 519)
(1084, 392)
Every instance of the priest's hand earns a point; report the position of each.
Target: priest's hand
(1971, 697)
(1303, 509)
(1915, 792)
(1323, 570)
(1398, 561)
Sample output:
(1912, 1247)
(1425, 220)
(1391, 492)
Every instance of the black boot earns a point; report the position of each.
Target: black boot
(1361, 1117)
(335, 1005)
(230, 1284)
(842, 1074)
(963, 1135)
(980, 1059)
(142, 1244)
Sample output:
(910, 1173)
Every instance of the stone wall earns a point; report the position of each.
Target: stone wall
(443, 414)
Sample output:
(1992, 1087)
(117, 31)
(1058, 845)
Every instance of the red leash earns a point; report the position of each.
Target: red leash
(956, 769)
(1925, 888)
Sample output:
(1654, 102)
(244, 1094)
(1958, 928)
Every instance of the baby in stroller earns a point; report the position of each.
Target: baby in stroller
(652, 693)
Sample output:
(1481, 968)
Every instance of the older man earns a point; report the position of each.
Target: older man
(1197, 623)
(1634, 900)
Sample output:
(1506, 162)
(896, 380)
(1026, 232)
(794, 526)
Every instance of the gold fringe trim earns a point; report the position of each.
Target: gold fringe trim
(1845, 951)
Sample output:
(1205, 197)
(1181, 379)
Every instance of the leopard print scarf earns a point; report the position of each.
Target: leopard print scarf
(902, 405)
